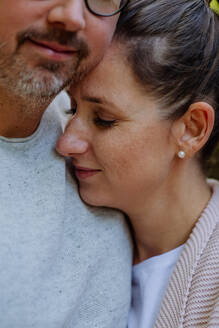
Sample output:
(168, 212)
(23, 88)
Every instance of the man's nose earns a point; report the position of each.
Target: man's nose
(69, 14)
(72, 142)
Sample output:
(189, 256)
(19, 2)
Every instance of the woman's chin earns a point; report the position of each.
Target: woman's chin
(92, 199)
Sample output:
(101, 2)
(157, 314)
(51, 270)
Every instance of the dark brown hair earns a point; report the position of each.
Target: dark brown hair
(173, 49)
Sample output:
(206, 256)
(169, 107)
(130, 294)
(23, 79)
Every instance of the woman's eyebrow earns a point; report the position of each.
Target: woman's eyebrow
(98, 100)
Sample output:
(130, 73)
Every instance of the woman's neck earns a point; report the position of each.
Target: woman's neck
(167, 216)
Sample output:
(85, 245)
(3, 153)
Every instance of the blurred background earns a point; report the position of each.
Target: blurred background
(213, 164)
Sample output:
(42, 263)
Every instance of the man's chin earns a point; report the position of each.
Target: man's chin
(41, 85)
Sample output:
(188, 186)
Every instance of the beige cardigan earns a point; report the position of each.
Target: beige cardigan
(192, 297)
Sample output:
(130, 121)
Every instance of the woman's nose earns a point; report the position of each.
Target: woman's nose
(69, 14)
(72, 142)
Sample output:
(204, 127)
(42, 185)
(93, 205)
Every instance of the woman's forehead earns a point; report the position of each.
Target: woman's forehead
(112, 73)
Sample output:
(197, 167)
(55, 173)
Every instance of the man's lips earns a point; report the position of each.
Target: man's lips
(84, 172)
(55, 46)
(53, 50)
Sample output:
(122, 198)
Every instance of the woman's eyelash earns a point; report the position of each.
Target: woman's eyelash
(104, 123)
(97, 120)
(71, 111)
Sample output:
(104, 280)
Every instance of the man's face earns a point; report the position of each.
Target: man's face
(46, 43)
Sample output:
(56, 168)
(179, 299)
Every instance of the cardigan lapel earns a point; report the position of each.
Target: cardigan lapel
(173, 307)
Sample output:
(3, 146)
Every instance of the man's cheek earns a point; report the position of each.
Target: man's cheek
(103, 33)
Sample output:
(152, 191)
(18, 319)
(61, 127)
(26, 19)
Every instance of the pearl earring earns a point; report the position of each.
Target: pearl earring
(181, 154)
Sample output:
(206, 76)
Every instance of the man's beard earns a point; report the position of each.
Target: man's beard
(39, 84)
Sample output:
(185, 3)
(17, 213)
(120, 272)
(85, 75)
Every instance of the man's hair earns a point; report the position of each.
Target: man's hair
(173, 49)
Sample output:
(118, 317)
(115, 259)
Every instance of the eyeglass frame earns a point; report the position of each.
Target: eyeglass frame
(106, 15)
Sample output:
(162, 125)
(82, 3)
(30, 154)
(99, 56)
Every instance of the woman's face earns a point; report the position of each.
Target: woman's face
(120, 147)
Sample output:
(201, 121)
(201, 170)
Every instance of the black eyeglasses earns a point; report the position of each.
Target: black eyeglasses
(105, 8)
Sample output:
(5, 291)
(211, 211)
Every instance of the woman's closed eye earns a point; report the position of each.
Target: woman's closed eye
(104, 123)
(97, 119)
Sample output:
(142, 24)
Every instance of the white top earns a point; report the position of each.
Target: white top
(149, 282)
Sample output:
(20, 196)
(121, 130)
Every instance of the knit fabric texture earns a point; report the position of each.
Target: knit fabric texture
(192, 297)
(62, 264)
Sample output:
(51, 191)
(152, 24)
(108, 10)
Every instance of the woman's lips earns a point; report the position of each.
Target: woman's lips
(84, 173)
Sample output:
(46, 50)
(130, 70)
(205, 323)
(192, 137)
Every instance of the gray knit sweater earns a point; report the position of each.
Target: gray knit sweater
(62, 264)
(192, 297)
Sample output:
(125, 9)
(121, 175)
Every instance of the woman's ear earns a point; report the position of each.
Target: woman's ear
(192, 130)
